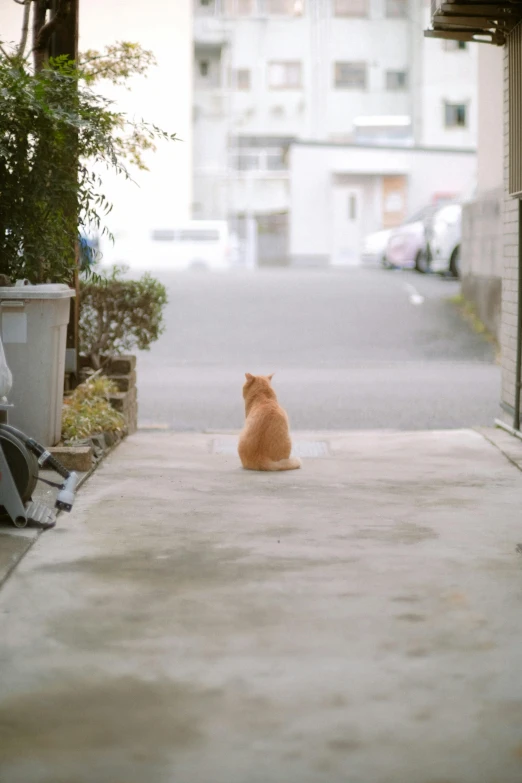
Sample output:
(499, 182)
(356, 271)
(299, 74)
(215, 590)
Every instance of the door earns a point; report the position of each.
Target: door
(347, 230)
(394, 192)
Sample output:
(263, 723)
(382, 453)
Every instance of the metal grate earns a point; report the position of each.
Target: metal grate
(301, 448)
(515, 111)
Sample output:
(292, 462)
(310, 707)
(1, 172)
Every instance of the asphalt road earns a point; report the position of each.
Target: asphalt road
(351, 349)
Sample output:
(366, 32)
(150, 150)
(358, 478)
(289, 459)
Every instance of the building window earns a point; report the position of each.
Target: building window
(352, 207)
(454, 46)
(397, 9)
(241, 79)
(275, 159)
(455, 115)
(239, 7)
(351, 8)
(261, 160)
(207, 73)
(284, 75)
(246, 161)
(206, 7)
(284, 7)
(396, 80)
(350, 76)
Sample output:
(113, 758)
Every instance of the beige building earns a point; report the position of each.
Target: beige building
(500, 26)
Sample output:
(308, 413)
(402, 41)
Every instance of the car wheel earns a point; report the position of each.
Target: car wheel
(454, 265)
(421, 262)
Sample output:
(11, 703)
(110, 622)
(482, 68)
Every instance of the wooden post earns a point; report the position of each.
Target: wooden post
(64, 41)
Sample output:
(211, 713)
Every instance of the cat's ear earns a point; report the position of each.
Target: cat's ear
(249, 377)
(271, 376)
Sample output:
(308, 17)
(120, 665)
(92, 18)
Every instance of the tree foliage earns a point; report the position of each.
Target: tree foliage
(117, 63)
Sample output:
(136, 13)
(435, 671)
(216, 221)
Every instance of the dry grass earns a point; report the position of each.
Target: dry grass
(87, 411)
(469, 314)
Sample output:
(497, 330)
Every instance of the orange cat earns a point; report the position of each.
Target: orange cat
(264, 443)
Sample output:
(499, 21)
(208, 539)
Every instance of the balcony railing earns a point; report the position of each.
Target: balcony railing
(251, 8)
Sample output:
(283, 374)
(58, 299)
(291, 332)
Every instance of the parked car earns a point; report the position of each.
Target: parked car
(408, 245)
(445, 240)
(374, 247)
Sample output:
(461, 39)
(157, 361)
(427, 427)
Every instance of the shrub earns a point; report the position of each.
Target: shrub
(117, 315)
(88, 410)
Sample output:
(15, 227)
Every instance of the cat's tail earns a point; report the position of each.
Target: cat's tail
(292, 463)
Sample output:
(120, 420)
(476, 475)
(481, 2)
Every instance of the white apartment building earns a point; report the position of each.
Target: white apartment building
(317, 76)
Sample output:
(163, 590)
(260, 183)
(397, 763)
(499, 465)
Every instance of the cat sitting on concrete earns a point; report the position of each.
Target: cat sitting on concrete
(264, 443)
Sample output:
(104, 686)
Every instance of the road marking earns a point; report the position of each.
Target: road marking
(414, 296)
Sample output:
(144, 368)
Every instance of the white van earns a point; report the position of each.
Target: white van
(198, 244)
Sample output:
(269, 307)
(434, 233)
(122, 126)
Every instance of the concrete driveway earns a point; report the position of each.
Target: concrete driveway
(357, 621)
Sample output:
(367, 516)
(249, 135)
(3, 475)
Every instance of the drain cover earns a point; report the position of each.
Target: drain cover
(301, 448)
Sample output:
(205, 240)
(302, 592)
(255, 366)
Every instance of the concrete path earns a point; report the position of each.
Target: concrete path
(358, 621)
(15, 542)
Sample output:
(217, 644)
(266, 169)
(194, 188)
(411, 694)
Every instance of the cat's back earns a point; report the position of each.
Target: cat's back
(264, 443)
(267, 410)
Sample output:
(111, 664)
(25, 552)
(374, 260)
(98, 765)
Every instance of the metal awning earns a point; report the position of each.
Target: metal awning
(472, 20)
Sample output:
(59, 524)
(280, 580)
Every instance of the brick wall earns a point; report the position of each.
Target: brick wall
(122, 370)
(510, 274)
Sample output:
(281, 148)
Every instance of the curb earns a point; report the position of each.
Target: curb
(509, 446)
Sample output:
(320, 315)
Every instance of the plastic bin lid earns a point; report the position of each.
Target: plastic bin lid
(43, 291)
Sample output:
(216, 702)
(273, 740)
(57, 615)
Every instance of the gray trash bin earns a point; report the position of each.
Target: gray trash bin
(33, 327)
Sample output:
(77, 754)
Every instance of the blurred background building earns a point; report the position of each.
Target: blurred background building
(316, 123)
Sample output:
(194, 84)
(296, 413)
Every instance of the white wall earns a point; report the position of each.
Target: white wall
(490, 150)
(261, 194)
(10, 21)
(312, 169)
(384, 45)
(164, 98)
(447, 76)
(164, 195)
(255, 43)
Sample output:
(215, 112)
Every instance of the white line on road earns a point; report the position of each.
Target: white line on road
(414, 296)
